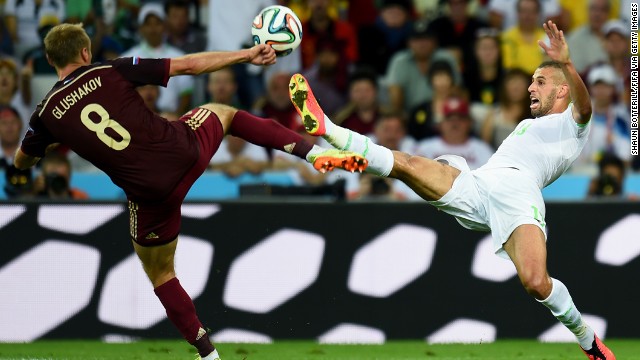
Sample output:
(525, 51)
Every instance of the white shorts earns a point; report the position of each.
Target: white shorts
(496, 200)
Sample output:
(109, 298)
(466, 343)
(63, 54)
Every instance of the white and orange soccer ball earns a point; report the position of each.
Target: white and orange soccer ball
(279, 27)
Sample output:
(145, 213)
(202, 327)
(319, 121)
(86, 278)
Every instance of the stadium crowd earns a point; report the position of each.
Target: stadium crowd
(429, 77)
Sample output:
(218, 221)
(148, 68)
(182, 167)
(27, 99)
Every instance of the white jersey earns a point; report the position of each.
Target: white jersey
(544, 147)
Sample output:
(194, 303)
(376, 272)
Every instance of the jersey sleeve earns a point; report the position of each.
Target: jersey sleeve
(141, 71)
(37, 138)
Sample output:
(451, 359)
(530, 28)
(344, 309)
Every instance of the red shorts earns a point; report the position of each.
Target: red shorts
(158, 223)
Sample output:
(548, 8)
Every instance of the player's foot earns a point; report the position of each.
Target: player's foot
(599, 351)
(307, 106)
(331, 159)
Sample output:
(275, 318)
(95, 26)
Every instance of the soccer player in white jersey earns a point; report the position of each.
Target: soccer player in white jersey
(504, 195)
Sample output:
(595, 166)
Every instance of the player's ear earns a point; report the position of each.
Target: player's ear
(49, 61)
(86, 55)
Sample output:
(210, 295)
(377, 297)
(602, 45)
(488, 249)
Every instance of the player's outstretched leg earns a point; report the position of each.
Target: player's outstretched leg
(527, 249)
(271, 134)
(318, 124)
(157, 262)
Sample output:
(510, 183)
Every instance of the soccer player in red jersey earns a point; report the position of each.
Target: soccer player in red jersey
(96, 111)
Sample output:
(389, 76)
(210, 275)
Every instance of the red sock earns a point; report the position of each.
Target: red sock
(182, 313)
(268, 133)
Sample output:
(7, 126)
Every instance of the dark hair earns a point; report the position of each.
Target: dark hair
(538, 4)
(364, 73)
(439, 66)
(610, 159)
(168, 4)
(503, 97)
(550, 63)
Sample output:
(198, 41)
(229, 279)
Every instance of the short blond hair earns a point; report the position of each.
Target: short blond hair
(64, 43)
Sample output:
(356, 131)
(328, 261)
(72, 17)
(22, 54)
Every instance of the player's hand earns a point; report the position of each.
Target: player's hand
(557, 50)
(262, 54)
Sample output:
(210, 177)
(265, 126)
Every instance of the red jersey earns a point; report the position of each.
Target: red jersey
(97, 112)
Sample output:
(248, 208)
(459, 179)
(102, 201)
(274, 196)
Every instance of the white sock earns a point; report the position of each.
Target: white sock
(563, 308)
(380, 158)
(214, 355)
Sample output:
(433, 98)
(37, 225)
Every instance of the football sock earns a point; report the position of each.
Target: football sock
(380, 158)
(182, 313)
(213, 356)
(268, 133)
(563, 308)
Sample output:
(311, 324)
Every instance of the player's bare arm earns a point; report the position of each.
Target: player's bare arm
(207, 62)
(558, 50)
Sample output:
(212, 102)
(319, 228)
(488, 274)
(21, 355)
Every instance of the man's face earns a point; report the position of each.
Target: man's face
(10, 128)
(598, 13)
(177, 20)
(278, 91)
(390, 132)
(528, 15)
(602, 93)
(455, 128)
(617, 45)
(222, 86)
(363, 94)
(7, 81)
(152, 30)
(422, 47)
(58, 168)
(543, 91)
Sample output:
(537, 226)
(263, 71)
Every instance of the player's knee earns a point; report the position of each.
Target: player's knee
(536, 283)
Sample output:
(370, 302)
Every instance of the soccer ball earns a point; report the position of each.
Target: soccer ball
(279, 27)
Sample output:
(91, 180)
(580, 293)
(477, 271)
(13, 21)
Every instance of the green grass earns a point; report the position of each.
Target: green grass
(308, 350)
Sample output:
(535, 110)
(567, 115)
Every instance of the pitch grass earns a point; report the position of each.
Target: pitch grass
(308, 350)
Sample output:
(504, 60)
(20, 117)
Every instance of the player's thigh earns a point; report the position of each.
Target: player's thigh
(428, 178)
(225, 113)
(527, 248)
(157, 261)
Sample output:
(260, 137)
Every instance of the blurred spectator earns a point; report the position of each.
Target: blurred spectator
(150, 95)
(511, 110)
(276, 104)
(455, 137)
(390, 132)
(362, 12)
(371, 187)
(610, 131)
(591, 33)
(18, 183)
(456, 31)
(320, 27)
(10, 135)
(230, 21)
(235, 157)
(363, 109)
(176, 97)
(21, 18)
(483, 77)
(329, 75)
(575, 13)
(54, 181)
(503, 14)
(222, 87)
(520, 47)
(180, 33)
(232, 32)
(6, 42)
(9, 94)
(388, 35)
(35, 59)
(108, 34)
(617, 46)
(424, 118)
(407, 81)
(610, 178)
